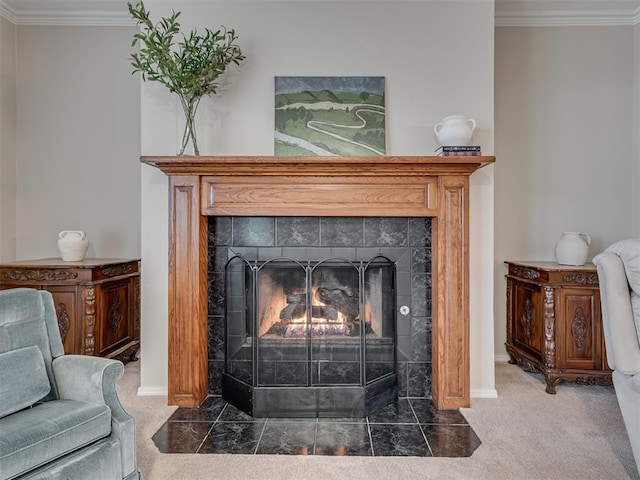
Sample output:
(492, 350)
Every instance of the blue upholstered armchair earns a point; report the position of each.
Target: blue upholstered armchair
(60, 417)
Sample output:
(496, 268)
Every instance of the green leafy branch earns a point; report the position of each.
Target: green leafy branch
(187, 65)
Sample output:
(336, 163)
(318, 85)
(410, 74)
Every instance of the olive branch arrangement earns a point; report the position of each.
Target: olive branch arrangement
(188, 66)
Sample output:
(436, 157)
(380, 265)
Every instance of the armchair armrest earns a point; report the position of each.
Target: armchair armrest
(93, 379)
(621, 336)
(88, 379)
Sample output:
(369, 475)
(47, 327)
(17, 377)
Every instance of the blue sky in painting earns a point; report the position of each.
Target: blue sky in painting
(335, 84)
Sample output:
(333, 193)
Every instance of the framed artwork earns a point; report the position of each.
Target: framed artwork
(329, 116)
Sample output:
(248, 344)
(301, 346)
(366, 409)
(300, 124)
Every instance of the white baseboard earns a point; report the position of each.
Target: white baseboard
(502, 358)
(152, 391)
(484, 393)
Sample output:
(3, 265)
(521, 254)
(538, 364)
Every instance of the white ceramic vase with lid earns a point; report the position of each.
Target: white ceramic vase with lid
(573, 248)
(72, 245)
(455, 130)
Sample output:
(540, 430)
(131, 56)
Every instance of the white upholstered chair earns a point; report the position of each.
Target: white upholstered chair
(619, 277)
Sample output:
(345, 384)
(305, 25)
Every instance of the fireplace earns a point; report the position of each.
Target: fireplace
(401, 186)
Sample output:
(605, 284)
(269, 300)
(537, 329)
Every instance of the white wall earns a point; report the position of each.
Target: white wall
(78, 140)
(437, 58)
(636, 134)
(7, 140)
(564, 137)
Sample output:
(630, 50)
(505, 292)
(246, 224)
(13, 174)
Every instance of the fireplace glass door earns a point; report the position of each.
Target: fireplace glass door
(296, 325)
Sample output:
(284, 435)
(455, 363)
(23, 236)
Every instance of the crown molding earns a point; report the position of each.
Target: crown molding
(66, 13)
(508, 13)
(567, 18)
(551, 13)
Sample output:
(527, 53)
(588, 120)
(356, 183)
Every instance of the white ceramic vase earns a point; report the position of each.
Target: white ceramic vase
(72, 245)
(572, 248)
(455, 130)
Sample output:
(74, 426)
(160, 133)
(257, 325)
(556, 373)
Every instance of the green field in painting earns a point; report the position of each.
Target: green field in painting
(302, 114)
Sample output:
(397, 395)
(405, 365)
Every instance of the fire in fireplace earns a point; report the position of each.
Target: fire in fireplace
(310, 338)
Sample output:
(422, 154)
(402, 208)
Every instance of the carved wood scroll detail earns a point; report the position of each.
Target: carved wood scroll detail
(117, 270)
(114, 316)
(38, 275)
(581, 278)
(579, 328)
(136, 309)
(528, 273)
(509, 312)
(528, 319)
(63, 320)
(549, 329)
(90, 320)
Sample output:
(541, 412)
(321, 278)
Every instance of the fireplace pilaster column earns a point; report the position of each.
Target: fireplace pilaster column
(450, 307)
(187, 293)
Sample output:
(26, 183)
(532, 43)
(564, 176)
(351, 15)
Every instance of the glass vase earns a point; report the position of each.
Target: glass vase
(189, 106)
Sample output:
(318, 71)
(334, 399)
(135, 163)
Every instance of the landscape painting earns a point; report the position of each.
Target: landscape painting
(328, 116)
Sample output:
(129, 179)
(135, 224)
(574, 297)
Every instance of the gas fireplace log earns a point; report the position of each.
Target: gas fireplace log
(344, 299)
(324, 311)
(298, 310)
(297, 298)
(341, 299)
(293, 310)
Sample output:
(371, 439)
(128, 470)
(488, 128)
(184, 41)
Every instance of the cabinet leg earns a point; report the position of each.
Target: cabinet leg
(551, 385)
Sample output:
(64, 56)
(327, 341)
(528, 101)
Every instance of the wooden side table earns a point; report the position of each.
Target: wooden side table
(554, 325)
(97, 301)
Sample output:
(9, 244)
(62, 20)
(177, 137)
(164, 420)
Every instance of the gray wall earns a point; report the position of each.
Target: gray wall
(636, 134)
(564, 143)
(7, 140)
(78, 140)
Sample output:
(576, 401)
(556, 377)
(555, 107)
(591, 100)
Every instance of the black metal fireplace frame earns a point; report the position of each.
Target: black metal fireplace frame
(340, 400)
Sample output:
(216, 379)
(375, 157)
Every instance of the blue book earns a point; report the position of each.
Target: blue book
(458, 148)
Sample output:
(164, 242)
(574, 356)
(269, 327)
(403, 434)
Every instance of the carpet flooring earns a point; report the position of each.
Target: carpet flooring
(524, 433)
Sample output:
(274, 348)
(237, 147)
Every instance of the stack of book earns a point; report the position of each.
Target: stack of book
(459, 151)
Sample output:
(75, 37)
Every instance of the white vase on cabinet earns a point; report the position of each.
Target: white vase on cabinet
(572, 249)
(72, 245)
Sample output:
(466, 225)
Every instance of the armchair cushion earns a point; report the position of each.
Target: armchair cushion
(23, 379)
(629, 252)
(38, 435)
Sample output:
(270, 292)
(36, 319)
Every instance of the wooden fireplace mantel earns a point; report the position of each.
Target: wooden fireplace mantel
(400, 186)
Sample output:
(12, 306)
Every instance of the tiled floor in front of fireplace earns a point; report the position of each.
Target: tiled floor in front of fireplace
(409, 427)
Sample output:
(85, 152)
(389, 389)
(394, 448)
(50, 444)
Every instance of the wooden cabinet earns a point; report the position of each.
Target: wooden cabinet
(97, 301)
(554, 324)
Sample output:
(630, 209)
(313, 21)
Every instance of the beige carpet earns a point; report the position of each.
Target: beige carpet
(526, 434)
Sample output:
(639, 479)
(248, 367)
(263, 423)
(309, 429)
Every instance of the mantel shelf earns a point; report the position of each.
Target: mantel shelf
(317, 166)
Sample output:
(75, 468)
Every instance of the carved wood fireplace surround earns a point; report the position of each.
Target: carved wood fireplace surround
(391, 186)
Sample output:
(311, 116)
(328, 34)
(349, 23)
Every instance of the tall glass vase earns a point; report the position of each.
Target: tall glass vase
(189, 106)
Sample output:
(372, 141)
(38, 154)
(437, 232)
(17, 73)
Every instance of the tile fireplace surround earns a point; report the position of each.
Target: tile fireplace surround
(390, 186)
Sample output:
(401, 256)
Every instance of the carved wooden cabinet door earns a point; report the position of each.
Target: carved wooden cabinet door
(116, 316)
(65, 299)
(527, 318)
(580, 329)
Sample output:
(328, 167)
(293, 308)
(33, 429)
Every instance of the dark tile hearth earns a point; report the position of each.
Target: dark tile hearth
(409, 427)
